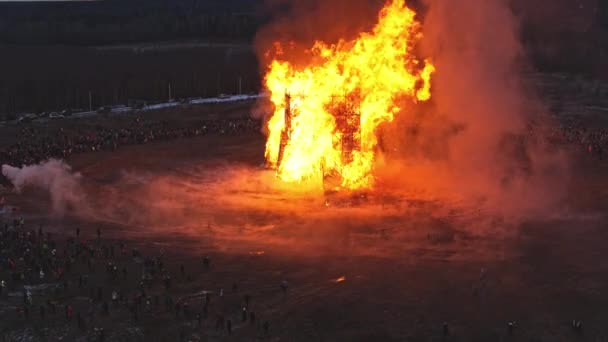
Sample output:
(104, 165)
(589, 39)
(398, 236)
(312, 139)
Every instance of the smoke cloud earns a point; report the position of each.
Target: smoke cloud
(480, 90)
(472, 141)
(53, 176)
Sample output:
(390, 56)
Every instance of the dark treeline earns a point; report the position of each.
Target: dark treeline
(50, 55)
(565, 35)
(36, 79)
(51, 60)
(126, 21)
(584, 53)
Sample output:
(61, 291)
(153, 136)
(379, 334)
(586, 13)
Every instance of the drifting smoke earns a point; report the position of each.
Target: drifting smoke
(480, 89)
(473, 139)
(53, 176)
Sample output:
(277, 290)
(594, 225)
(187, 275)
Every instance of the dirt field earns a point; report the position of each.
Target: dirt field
(375, 271)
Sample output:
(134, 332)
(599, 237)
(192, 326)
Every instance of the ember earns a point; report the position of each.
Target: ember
(339, 280)
(326, 113)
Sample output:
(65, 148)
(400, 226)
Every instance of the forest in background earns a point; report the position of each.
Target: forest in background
(54, 54)
(106, 22)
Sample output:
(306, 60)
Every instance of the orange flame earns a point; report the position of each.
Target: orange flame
(369, 74)
(339, 280)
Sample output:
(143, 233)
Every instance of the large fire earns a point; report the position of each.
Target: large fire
(327, 113)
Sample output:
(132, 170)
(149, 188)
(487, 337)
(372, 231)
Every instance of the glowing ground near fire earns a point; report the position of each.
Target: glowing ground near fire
(226, 197)
(240, 206)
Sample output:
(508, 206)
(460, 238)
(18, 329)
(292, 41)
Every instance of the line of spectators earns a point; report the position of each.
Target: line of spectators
(594, 141)
(33, 146)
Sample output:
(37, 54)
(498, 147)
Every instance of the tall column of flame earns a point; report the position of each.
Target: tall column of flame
(379, 66)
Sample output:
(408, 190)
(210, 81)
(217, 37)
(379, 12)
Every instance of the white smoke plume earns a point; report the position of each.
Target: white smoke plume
(53, 176)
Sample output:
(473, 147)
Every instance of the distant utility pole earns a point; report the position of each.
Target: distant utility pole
(170, 97)
(240, 86)
(90, 101)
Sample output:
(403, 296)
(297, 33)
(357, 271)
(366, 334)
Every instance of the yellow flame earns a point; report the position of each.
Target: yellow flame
(424, 93)
(370, 73)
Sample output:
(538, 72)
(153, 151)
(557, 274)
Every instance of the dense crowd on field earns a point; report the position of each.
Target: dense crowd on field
(88, 283)
(34, 145)
(592, 141)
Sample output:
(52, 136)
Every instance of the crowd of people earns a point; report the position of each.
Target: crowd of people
(35, 145)
(44, 277)
(593, 141)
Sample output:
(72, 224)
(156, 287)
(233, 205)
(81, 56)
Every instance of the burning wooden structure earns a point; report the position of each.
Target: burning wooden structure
(349, 89)
(347, 115)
